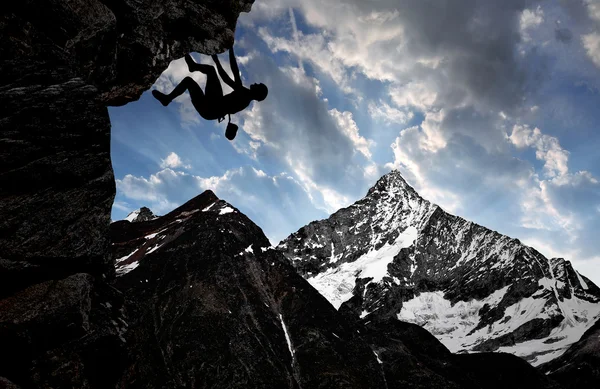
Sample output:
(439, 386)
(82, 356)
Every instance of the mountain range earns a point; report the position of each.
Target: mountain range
(208, 302)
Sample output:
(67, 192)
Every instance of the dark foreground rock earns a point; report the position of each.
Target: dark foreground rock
(61, 64)
(63, 333)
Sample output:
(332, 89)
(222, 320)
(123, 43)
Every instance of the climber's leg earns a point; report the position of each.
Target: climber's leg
(188, 84)
(213, 89)
(194, 66)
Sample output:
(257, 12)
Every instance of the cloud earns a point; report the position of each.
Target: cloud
(593, 8)
(591, 43)
(458, 174)
(414, 94)
(389, 115)
(348, 126)
(463, 51)
(547, 149)
(311, 48)
(529, 19)
(458, 66)
(161, 191)
(173, 161)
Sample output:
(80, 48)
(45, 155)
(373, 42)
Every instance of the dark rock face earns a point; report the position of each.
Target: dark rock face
(395, 255)
(579, 366)
(211, 305)
(61, 64)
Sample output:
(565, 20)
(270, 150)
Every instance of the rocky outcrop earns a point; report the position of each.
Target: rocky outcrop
(579, 366)
(61, 64)
(395, 255)
(212, 305)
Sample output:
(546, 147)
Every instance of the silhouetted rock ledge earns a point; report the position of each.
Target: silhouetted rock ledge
(61, 64)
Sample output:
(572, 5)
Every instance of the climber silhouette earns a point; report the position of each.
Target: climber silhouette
(211, 104)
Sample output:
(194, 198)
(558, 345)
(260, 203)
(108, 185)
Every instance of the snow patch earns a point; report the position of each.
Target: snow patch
(153, 249)
(225, 210)
(581, 281)
(377, 356)
(208, 208)
(132, 215)
(452, 324)
(449, 323)
(127, 268)
(125, 257)
(287, 336)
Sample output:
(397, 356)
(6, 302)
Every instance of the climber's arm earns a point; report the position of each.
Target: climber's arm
(224, 76)
(234, 68)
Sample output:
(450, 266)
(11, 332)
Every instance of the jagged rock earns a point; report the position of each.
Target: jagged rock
(61, 64)
(395, 255)
(579, 366)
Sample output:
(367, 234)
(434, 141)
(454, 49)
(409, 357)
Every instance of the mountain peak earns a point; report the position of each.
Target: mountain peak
(392, 182)
(141, 215)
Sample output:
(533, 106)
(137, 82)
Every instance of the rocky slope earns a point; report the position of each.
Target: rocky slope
(395, 254)
(211, 305)
(579, 366)
(61, 64)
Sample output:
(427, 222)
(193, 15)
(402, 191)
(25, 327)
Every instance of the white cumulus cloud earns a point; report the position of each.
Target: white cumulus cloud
(173, 161)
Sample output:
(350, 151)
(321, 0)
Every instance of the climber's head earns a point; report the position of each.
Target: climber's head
(259, 91)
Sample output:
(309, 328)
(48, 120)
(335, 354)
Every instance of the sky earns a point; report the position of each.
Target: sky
(489, 109)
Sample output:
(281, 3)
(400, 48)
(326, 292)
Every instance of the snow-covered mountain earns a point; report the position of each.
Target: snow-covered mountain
(395, 254)
(140, 215)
